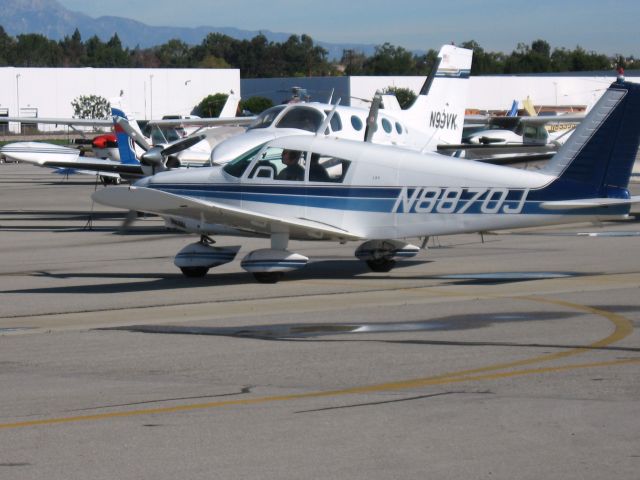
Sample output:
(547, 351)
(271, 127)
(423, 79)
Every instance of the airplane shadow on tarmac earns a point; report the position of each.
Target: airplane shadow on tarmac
(311, 332)
(317, 270)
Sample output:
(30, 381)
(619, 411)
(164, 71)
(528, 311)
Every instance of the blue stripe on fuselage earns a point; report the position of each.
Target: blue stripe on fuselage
(380, 199)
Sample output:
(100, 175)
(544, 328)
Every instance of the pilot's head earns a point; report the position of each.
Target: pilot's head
(290, 157)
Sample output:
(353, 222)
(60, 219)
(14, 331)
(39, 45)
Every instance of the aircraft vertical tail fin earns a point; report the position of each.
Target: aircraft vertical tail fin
(513, 112)
(598, 158)
(439, 109)
(230, 108)
(126, 146)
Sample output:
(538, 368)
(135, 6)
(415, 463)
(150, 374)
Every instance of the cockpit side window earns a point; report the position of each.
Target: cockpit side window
(327, 168)
(303, 118)
(276, 163)
(266, 118)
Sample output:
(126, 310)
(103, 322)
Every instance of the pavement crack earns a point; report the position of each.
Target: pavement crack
(406, 399)
(243, 391)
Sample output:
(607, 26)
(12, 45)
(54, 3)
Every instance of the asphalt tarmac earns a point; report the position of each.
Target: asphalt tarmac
(511, 355)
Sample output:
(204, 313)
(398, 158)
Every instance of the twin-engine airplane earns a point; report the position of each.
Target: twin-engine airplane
(318, 188)
(436, 116)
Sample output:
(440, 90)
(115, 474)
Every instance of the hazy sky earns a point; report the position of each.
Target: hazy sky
(497, 25)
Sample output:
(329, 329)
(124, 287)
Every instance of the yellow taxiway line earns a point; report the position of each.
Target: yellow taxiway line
(622, 328)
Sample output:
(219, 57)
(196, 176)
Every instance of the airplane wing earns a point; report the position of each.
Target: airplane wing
(510, 123)
(37, 152)
(514, 159)
(57, 156)
(589, 203)
(500, 154)
(167, 204)
(205, 122)
(80, 122)
(97, 166)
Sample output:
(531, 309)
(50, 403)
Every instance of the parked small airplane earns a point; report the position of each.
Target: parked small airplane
(152, 155)
(320, 188)
(512, 129)
(436, 116)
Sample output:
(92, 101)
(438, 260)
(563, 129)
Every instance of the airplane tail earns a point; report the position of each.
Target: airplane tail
(596, 161)
(440, 106)
(513, 112)
(126, 146)
(230, 108)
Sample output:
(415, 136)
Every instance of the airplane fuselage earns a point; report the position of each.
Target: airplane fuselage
(385, 193)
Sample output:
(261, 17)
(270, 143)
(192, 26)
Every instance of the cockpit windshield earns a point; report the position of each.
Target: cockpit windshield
(304, 118)
(237, 166)
(266, 118)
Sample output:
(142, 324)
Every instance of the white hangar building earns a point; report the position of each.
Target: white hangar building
(153, 93)
(491, 92)
(148, 93)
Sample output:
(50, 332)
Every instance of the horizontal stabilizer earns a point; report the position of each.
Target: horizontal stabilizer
(589, 203)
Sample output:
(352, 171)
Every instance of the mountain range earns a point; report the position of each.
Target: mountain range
(51, 19)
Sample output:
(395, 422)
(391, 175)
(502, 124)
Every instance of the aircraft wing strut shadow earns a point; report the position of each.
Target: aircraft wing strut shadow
(319, 188)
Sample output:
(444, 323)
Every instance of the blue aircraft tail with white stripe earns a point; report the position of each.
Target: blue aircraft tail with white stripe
(126, 146)
(595, 163)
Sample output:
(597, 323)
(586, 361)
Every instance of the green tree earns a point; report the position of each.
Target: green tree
(7, 48)
(390, 60)
(211, 105)
(256, 104)
(73, 50)
(174, 54)
(353, 62)
(405, 96)
(35, 50)
(90, 106)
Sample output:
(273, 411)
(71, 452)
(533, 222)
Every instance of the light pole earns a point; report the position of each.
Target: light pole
(18, 100)
(151, 95)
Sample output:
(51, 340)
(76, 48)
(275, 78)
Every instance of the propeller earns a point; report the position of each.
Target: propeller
(133, 133)
(325, 124)
(156, 156)
(372, 118)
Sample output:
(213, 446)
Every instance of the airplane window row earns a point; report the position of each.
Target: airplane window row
(288, 165)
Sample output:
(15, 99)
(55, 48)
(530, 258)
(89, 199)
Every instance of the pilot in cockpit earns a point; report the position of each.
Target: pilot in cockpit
(293, 170)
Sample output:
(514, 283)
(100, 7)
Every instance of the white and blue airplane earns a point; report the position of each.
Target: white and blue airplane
(382, 195)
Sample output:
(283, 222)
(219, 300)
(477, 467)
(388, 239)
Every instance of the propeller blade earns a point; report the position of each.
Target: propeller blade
(129, 130)
(131, 217)
(183, 144)
(325, 124)
(372, 118)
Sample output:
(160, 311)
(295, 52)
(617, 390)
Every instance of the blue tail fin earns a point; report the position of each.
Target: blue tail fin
(597, 160)
(125, 143)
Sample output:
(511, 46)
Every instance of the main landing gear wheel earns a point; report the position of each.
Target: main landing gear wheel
(381, 264)
(268, 277)
(194, 272)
